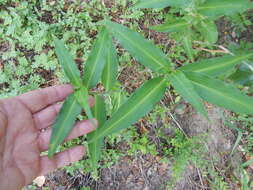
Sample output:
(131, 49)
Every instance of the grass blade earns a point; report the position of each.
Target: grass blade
(216, 66)
(143, 50)
(221, 94)
(96, 61)
(99, 112)
(67, 63)
(186, 89)
(139, 104)
(238, 140)
(109, 75)
(64, 123)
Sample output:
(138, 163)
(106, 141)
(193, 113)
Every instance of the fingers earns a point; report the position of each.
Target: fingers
(38, 99)
(46, 117)
(61, 159)
(81, 128)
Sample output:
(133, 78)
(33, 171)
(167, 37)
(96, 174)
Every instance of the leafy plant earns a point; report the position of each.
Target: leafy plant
(71, 107)
(197, 17)
(195, 82)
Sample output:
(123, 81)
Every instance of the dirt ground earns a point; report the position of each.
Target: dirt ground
(145, 172)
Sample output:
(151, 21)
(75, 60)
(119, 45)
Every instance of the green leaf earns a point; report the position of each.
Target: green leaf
(238, 140)
(117, 99)
(177, 26)
(64, 123)
(99, 112)
(143, 50)
(82, 96)
(208, 30)
(109, 75)
(248, 163)
(217, 8)
(221, 94)
(187, 43)
(242, 77)
(186, 89)
(67, 63)
(161, 3)
(96, 61)
(216, 66)
(139, 104)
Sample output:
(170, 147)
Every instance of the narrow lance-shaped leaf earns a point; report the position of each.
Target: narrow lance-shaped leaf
(109, 75)
(99, 113)
(139, 104)
(64, 123)
(221, 94)
(208, 30)
(82, 96)
(96, 60)
(67, 63)
(187, 43)
(218, 8)
(176, 26)
(186, 89)
(161, 3)
(216, 66)
(143, 50)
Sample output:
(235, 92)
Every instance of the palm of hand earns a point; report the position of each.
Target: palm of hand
(22, 139)
(19, 147)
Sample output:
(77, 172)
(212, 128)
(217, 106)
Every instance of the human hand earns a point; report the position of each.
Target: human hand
(25, 133)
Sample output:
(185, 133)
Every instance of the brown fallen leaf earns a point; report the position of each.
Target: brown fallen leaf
(249, 158)
(40, 181)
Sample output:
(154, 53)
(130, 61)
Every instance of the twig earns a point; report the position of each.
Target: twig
(211, 51)
(223, 50)
(171, 98)
(226, 50)
(178, 125)
(200, 177)
(142, 172)
(200, 186)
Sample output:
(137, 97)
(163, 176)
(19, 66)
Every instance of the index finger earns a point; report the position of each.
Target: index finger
(39, 99)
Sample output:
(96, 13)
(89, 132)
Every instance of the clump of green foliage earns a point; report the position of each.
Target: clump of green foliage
(28, 59)
(195, 19)
(196, 82)
(28, 27)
